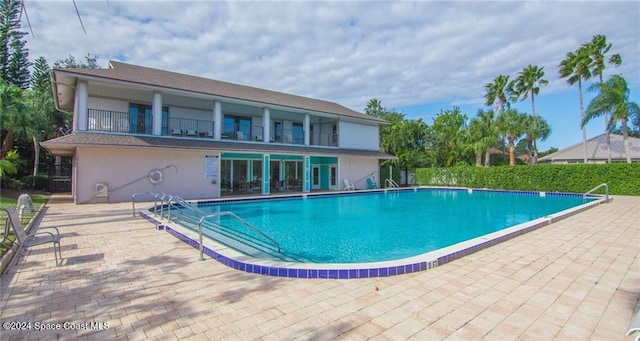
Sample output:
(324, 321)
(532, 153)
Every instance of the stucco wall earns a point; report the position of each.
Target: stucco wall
(356, 170)
(126, 172)
(358, 136)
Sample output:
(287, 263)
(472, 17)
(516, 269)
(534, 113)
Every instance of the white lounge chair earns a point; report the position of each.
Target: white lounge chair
(25, 240)
(348, 186)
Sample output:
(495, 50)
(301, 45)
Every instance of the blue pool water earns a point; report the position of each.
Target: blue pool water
(379, 226)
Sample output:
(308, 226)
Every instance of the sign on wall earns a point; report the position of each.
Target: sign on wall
(211, 167)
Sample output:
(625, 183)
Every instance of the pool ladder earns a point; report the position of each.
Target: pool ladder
(606, 193)
(389, 183)
(169, 200)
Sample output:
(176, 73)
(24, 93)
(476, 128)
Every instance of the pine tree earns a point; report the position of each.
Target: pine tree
(40, 80)
(9, 24)
(18, 70)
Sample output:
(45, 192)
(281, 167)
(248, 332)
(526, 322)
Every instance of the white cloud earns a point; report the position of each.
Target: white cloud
(404, 53)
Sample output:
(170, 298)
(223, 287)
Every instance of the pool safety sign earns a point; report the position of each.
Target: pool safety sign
(211, 167)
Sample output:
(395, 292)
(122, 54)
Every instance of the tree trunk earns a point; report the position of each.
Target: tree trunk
(487, 158)
(535, 123)
(7, 144)
(36, 161)
(606, 127)
(479, 159)
(584, 129)
(625, 139)
(512, 151)
(529, 150)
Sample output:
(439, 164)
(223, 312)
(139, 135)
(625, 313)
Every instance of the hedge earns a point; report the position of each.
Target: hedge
(622, 178)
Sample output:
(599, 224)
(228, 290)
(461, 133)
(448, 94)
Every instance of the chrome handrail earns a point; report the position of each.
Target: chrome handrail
(390, 183)
(133, 200)
(229, 213)
(169, 200)
(606, 193)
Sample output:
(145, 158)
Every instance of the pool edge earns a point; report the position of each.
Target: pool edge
(412, 264)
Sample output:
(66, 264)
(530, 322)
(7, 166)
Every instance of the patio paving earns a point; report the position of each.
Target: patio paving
(575, 279)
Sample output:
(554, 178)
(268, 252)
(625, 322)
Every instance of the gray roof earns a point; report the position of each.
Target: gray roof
(135, 74)
(65, 145)
(597, 150)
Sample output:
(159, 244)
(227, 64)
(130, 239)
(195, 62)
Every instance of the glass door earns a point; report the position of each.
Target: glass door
(315, 177)
(333, 177)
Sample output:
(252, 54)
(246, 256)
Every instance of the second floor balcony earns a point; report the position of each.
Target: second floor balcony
(124, 122)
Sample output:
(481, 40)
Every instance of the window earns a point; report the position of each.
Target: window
(298, 133)
(237, 127)
(277, 129)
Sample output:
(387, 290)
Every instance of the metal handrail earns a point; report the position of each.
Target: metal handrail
(390, 183)
(606, 193)
(229, 213)
(133, 200)
(169, 200)
(155, 204)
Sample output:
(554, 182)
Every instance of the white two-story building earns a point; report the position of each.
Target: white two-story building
(137, 129)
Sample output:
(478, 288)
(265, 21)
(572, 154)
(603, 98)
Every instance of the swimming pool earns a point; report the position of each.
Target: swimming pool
(417, 229)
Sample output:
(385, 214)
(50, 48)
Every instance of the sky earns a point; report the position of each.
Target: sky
(416, 57)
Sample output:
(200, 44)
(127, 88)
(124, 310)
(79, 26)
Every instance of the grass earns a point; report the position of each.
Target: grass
(10, 198)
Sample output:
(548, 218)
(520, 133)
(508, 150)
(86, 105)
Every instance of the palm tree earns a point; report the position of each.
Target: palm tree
(482, 135)
(477, 142)
(576, 67)
(614, 98)
(14, 112)
(536, 128)
(489, 125)
(498, 93)
(512, 124)
(527, 84)
(374, 108)
(598, 47)
(9, 165)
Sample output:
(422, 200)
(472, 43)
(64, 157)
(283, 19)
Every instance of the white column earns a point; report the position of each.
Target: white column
(307, 129)
(81, 112)
(265, 173)
(156, 109)
(306, 177)
(266, 123)
(217, 120)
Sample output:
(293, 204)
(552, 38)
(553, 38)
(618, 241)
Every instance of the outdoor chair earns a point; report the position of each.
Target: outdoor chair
(371, 184)
(25, 240)
(348, 186)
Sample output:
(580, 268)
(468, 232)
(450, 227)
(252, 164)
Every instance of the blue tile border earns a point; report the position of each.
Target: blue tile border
(294, 272)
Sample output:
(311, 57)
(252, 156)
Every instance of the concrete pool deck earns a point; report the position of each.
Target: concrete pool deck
(578, 278)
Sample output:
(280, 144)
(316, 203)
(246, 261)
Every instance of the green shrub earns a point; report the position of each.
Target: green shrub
(11, 183)
(38, 182)
(622, 178)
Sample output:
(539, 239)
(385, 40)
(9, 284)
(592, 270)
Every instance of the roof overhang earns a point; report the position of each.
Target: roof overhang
(68, 144)
(64, 89)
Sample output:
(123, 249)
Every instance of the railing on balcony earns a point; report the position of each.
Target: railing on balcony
(122, 122)
(190, 127)
(241, 132)
(106, 120)
(324, 139)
